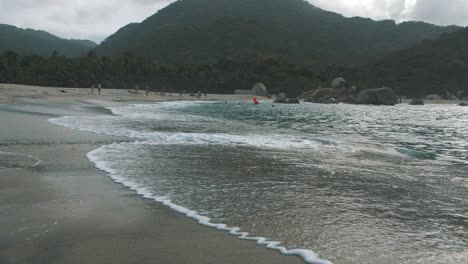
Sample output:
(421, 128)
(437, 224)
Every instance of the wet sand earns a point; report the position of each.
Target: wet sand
(13, 93)
(66, 211)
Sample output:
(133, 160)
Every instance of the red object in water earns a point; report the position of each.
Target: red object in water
(255, 101)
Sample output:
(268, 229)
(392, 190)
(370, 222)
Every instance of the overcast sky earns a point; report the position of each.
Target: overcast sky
(97, 19)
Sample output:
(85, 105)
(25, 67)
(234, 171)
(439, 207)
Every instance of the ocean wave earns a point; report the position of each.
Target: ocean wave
(12, 160)
(94, 156)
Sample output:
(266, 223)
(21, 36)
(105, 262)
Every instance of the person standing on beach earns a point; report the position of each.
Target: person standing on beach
(147, 90)
(99, 86)
(137, 89)
(92, 89)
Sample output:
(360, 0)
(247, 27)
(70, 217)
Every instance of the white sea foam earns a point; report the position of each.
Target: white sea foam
(308, 255)
(100, 125)
(35, 164)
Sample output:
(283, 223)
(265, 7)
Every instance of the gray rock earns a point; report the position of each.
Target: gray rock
(292, 101)
(417, 102)
(307, 95)
(433, 97)
(338, 83)
(380, 96)
(463, 104)
(354, 88)
(280, 98)
(259, 89)
(450, 96)
(332, 96)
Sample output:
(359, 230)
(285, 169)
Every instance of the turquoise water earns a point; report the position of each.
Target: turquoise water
(354, 184)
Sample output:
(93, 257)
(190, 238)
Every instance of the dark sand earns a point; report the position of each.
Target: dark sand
(66, 211)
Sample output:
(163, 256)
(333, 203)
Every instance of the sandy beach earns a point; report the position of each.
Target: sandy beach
(11, 93)
(56, 207)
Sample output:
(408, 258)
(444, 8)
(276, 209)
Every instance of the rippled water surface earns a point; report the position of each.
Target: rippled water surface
(355, 184)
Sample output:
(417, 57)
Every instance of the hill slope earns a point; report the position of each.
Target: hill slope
(431, 67)
(203, 31)
(36, 42)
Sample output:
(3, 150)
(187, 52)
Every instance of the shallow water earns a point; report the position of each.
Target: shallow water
(355, 184)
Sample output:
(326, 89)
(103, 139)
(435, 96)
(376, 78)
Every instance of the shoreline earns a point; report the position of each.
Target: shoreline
(67, 211)
(17, 93)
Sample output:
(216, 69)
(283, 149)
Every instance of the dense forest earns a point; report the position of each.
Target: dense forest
(128, 70)
(37, 42)
(205, 31)
(432, 67)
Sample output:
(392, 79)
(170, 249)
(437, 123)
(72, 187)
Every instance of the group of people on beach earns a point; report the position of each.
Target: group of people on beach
(199, 94)
(148, 90)
(98, 86)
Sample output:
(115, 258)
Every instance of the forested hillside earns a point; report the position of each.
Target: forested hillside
(36, 42)
(204, 31)
(431, 67)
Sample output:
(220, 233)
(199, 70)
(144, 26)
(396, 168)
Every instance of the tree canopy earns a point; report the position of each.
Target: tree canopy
(205, 31)
(36, 42)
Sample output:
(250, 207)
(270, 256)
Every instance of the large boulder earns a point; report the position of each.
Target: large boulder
(432, 97)
(379, 96)
(307, 95)
(450, 96)
(332, 96)
(259, 89)
(417, 102)
(280, 98)
(463, 104)
(324, 96)
(292, 101)
(338, 83)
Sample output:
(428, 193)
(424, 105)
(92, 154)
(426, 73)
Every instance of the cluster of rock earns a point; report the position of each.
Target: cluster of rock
(417, 102)
(434, 97)
(258, 89)
(282, 98)
(447, 96)
(340, 93)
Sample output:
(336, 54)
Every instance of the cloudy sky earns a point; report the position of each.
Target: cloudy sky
(96, 19)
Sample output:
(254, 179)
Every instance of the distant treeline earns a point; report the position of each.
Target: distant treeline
(415, 72)
(126, 71)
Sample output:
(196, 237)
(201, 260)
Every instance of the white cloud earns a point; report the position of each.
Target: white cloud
(97, 19)
(87, 19)
(447, 12)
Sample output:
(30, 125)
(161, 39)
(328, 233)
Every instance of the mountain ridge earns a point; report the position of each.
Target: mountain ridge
(432, 66)
(39, 42)
(204, 31)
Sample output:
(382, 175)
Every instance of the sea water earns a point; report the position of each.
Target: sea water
(331, 183)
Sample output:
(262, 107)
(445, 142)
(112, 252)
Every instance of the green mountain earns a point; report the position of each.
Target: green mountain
(36, 42)
(204, 31)
(432, 67)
